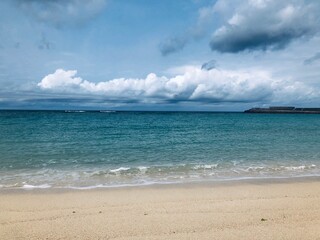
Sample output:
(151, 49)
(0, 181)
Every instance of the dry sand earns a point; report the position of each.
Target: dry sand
(207, 211)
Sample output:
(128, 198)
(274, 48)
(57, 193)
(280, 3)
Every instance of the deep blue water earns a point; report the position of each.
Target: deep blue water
(83, 149)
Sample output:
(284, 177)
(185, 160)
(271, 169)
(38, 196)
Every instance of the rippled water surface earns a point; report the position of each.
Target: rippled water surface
(101, 149)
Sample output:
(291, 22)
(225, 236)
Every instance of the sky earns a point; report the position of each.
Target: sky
(188, 55)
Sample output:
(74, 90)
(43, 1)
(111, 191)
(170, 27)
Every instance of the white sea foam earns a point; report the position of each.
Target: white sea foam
(144, 183)
(143, 169)
(87, 187)
(120, 169)
(295, 168)
(42, 186)
(205, 166)
(235, 163)
(302, 167)
(87, 178)
(250, 169)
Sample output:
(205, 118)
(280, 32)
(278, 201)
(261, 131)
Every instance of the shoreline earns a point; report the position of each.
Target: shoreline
(238, 210)
(199, 183)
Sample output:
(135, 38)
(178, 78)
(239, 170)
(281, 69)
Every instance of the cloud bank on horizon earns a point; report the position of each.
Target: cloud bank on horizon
(194, 85)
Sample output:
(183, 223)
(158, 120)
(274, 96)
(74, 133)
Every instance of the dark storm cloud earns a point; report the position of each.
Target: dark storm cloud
(237, 41)
(262, 25)
(249, 25)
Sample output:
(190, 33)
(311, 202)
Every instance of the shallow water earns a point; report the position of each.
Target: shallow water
(101, 149)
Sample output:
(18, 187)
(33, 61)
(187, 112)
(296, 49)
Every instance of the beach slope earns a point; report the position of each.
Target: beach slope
(286, 210)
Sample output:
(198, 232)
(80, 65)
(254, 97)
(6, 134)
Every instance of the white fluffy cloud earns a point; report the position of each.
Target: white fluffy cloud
(195, 84)
(60, 79)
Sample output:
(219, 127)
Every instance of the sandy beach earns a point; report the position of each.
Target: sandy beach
(247, 210)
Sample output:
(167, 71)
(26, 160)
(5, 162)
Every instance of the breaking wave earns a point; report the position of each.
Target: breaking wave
(146, 175)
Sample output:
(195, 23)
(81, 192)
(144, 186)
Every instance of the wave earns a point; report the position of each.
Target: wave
(42, 186)
(97, 177)
(107, 111)
(299, 167)
(205, 166)
(74, 111)
(120, 169)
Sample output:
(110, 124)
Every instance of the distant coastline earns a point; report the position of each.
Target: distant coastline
(282, 109)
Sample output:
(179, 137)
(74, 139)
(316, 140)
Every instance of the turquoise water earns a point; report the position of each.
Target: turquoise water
(102, 149)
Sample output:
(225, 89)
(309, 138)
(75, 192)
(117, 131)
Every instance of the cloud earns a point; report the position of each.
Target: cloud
(194, 85)
(312, 59)
(60, 79)
(248, 25)
(266, 24)
(209, 65)
(44, 44)
(60, 13)
(172, 45)
(197, 31)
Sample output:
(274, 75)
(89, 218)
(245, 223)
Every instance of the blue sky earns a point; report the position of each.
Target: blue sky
(152, 55)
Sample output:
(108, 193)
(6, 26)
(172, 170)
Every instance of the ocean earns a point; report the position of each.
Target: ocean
(84, 149)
